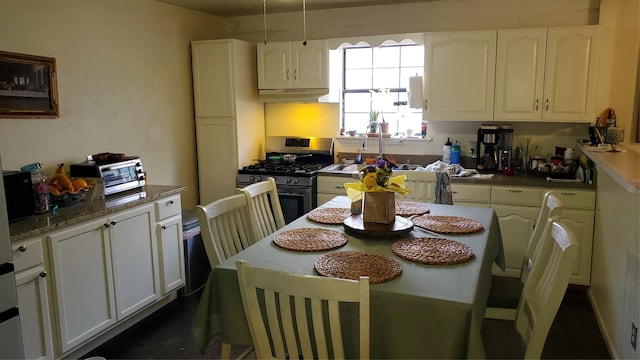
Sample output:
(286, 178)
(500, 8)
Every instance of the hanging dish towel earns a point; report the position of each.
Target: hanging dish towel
(443, 189)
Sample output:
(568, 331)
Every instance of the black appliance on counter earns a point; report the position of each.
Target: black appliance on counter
(494, 148)
(296, 179)
(117, 175)
(19, 194)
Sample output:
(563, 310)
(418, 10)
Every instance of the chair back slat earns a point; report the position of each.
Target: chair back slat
(546, 285)
(289, 301)
(264, 203)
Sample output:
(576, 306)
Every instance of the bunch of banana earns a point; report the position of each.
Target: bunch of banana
(61, 183)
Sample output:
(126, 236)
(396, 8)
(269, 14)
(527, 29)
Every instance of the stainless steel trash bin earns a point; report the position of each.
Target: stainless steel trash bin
(197, 266)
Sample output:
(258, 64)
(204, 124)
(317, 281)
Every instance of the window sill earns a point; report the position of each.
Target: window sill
(412, 141)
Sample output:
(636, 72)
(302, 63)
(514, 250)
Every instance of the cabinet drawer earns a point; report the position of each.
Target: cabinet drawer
(167, 207)
(578, 199)
(516, 195)
(333, 185)
(473, 193)
(27, 253)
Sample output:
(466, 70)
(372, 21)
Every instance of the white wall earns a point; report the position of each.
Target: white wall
(124, 79)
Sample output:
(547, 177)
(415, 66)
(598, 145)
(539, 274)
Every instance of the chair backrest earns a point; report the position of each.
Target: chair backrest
(290, 300)
(226, 227)
(551, 207)
(546, 286)
(264, 203)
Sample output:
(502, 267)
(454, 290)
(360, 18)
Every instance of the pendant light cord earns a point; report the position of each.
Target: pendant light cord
(264, 17)
(304, 22)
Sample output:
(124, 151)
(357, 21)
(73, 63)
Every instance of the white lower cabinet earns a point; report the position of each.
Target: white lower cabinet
(471, 195)
(516, 226)
(331, 186)
(33, 299)
(169, 236)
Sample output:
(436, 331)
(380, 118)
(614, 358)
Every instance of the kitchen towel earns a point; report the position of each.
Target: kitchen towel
(415, 92)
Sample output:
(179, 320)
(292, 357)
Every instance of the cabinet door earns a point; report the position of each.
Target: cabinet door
(310, 64)
(35, 323)
(274, 65)
(581, 224)
(217, 161)
(520, 64)
(212, 89)
(134, 254)
(83, 282)
(516, 226)
(459, 75)
(570, 78)
(171, 254)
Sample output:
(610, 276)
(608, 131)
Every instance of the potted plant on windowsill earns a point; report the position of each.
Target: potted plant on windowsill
(372, 128)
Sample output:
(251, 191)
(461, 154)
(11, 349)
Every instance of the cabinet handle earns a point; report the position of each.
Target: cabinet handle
(339, 187)
(287, 74)
(295, 74)
(43, 274)
(425, 104)
(164, 227)
(22, 248)
(171, 202)
(537, 100)
(110, 223)
(515, 191)
(547, 105)
(113, 223)
(568, 193)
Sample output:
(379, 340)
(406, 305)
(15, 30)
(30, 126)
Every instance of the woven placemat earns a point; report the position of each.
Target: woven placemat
(310, 239)
(408, 208)
(433, 251)
(448, 224)
(332, 216)
(353, 264)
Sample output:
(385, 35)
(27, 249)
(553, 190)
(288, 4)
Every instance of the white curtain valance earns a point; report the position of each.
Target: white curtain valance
(377, 40)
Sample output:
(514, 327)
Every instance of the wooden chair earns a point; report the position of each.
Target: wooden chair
(543, 292)
(290, 300)
(264, 203)
(505, 291)
(227, 228)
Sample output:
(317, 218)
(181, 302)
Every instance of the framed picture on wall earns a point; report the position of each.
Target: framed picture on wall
(28, 86)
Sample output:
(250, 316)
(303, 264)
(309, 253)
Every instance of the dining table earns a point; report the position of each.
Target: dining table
(428, 311)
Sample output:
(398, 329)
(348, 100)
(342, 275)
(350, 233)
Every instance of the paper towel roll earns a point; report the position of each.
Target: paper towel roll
(415, 92)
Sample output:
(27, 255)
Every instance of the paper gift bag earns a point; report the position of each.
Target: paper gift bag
(379, 207)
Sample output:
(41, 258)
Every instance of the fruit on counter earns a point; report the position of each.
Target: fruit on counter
(61, 183)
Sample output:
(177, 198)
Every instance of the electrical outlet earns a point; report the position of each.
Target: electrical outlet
(634, 335)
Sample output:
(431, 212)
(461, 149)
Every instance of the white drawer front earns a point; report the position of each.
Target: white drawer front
(578, 199)
(333, 185)
(27, 253)
(473, 193)
(516, 195)
(168, 207)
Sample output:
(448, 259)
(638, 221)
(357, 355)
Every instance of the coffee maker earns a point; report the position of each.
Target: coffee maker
(494, 148)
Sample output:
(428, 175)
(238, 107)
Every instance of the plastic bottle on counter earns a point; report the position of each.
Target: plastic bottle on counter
(568, 156)
(446, 152)
(455, 153)
(40, 187)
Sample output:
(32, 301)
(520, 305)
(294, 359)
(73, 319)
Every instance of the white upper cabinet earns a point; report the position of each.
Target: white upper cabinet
(459, 70)
(546, 74)
(292, 65)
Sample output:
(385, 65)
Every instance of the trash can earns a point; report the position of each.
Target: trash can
(196, 263)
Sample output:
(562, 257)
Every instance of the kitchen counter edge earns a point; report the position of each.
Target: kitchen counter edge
(623, 167)
(86, 211)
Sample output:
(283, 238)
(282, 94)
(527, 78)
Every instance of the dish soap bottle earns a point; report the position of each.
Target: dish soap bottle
(455, 153)
(446, 152)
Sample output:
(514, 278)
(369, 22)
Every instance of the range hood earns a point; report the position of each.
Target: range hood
(292, 95)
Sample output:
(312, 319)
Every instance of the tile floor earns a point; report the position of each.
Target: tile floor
(166, 335)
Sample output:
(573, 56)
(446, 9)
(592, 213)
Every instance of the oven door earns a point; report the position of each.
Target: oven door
(295, 201)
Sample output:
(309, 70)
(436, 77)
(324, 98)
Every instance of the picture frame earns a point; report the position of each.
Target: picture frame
(28, 86)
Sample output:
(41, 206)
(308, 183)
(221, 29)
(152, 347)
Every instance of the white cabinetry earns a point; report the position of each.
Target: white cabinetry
(517, 209)
(292, 65)
(471, 195)
(332, 186)
(104, 271)
(459, 70)
(169, 236)
(546, 74)
(33, 298)
(229, 118)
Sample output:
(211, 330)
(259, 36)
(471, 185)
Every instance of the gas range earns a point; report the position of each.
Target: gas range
(302, 173)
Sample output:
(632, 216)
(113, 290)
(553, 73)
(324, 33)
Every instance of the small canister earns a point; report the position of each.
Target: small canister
(40, 187)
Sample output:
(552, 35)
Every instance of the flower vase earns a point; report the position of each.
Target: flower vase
(379, 207)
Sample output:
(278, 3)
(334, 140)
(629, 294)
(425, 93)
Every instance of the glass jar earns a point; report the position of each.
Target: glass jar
(40, 188)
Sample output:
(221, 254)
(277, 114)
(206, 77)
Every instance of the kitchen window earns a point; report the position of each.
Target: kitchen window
(377, 78)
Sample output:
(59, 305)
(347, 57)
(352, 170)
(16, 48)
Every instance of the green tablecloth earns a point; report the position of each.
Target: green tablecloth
(427, 312)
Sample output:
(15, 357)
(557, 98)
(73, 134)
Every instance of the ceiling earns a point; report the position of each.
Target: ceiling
(227, 8)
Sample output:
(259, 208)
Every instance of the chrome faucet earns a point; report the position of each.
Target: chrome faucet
(366, 131)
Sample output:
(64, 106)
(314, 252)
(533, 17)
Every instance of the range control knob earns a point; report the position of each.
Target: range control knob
(252, 178)
(288, 181)
(258, 178)
(295, 181)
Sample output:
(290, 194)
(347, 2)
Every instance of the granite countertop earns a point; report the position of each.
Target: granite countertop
(88, 210)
